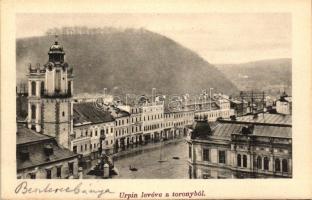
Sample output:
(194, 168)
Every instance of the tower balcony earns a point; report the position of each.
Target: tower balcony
(57, 94)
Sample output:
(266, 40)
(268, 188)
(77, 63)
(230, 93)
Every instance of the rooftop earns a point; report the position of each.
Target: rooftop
(223, 129)
(89, 113)
(25, 135)
(34, 143)
(266, 118)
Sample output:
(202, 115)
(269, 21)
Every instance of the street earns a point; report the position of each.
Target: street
(173, 163)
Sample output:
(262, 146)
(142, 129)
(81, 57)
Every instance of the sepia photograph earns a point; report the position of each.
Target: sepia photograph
(132, 99)
(153, 96)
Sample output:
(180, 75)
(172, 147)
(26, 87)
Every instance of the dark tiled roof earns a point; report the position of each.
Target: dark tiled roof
(224, 130)
(202, 129)
(267, 118)
(117, 112)
(34, 143)
(25, 135)
(273, 131)
(88, 113)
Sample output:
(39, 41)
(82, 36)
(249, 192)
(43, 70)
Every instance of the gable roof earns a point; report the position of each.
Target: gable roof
(25, 135)
(266, 118)
(32, 142)
(88, 113)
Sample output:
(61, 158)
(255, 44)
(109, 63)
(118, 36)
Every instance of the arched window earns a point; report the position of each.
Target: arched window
(259, 162)
(57, 81)
(33, 88)
(239, 160)
(42, 88)
(244, 161)
(266, 163)
(33, 112)
(277, 165)
(285, 165)
(69, 88)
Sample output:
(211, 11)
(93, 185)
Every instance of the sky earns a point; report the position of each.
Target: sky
(217, 37)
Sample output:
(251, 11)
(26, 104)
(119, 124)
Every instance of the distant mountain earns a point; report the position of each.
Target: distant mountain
(131, 60)
(271, 76)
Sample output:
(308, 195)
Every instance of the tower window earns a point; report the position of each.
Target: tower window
(33, 88)
(63, 113)
(33, 112)
(57, 80)
(69, 87)
(42, 88)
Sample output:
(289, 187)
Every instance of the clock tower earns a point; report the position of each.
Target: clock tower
(50, 108)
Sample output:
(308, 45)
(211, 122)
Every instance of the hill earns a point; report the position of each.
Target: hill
(131, 60)
(271, 76)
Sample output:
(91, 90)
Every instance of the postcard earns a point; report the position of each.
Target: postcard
(155, 100)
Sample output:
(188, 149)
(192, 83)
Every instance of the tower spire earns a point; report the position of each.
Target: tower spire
(56, 37)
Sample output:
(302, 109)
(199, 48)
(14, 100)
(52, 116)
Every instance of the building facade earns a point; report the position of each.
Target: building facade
(136, 130)
(214, 109)
(90, 124)
(175, 122)
(241, 149)
(153, 119)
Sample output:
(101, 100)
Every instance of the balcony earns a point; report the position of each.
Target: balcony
(57, 94)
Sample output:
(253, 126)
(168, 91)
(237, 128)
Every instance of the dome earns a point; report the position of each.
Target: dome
(201, 128)
(56, 53)
(56, 47)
